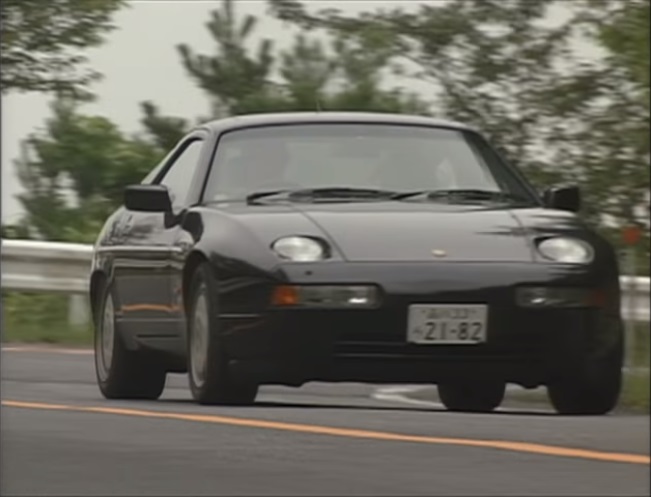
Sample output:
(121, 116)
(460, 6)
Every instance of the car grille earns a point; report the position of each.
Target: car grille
(351, 347)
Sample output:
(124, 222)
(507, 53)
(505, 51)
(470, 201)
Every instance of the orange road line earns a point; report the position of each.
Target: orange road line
(521, 447)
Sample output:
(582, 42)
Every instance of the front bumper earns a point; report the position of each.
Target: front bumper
(526, 346)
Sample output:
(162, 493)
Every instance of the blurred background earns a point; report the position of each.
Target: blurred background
(94, 93)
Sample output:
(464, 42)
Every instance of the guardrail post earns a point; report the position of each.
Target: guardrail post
(78, 314)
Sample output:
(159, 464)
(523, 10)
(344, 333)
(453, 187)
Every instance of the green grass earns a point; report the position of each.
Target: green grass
(40, 318)
(639, 354)
(635, 395)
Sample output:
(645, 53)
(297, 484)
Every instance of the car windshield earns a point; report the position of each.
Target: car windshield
(338, 158)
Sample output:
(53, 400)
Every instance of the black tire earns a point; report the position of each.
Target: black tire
(128, 374)
(472, 396)
(591, 389)
(211, 383)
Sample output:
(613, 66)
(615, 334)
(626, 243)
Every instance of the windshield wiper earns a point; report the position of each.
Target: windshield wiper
(338, 192)
(343, 192)
(462, 194)
(253, 197)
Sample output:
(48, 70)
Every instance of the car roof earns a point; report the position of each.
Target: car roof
(251, 120)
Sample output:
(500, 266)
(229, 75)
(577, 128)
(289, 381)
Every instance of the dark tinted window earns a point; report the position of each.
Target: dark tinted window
(179, 176)
(398, 158)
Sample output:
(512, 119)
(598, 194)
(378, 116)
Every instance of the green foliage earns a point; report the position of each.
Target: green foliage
(39, 318)
(42, 42)
(310, 75)
(616, 139)
(76, 173)
(622, 28)
(635, 393)
(627, 38)
(232, 77)
(165, 131)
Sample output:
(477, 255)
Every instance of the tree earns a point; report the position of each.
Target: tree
(42, 42)
(622, 28)
(345, 75)
(500, 67)
(75, 173)
(164, 130)
(627, 38)
(616, 140)
(232, 77)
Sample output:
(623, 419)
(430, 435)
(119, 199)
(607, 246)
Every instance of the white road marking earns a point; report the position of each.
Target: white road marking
(400, 393)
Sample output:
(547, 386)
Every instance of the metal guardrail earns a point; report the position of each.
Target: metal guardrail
(635, 298)
(29, 265)
(46, 266)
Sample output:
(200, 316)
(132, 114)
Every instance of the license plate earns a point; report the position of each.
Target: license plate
(447, 324)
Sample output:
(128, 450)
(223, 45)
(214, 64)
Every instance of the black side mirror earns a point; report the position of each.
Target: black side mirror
(565, 198)
(147, 198)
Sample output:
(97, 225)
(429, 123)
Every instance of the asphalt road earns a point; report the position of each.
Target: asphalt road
(59, 437)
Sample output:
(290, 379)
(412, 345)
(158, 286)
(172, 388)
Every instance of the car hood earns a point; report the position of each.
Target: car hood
(392, 231)
(414, 232)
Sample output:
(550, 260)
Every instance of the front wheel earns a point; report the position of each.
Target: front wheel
(121, 373)
(472, 396)
(593, 389)
(211, 381)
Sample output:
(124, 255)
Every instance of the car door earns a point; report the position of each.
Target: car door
(184, 181)
(143, 265)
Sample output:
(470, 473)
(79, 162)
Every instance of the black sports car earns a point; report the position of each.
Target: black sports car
(288, 248)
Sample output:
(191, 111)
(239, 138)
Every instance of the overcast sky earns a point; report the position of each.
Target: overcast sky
(139, 62)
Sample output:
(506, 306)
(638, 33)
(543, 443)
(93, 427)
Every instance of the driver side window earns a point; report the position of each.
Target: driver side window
(180, 174)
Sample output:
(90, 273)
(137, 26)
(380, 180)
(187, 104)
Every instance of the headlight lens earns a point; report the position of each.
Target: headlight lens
(566, 250)
(299, 249)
